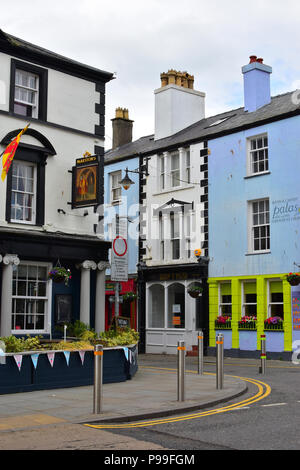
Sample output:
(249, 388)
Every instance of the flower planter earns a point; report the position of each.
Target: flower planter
(251, 325)
(294, 283)
(119, 364)
(223, 326)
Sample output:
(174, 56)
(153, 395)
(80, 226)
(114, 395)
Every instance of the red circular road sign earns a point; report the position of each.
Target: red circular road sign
(120, 246)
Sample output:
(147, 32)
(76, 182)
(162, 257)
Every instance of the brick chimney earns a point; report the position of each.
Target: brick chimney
(257, 89)
(122, 128)
(177, 104)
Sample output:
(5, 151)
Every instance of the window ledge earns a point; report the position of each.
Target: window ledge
(257, 174)
(266, 252)
(171, 190)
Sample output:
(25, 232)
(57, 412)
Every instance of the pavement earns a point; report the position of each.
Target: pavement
(151, 393)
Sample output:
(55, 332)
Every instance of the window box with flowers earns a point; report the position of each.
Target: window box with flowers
(248, 323)
(223, 323)
(293, 279)
(273, 324)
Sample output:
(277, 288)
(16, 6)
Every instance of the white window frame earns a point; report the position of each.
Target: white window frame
(253, 226)
(47, 299)
(253, 140)
(188, 165)
(221, 304)
(175, 172)
(33, 194)
(19, 86)
(244, 303)
(162, 173)
(270, 303)
(162, 245)
(174, 218)
(116, 187)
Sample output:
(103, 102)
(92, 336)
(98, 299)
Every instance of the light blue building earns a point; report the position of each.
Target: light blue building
(254, 220)
(121, 214)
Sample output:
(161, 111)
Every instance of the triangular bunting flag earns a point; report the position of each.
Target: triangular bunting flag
(82, 354)
(34, 358)
(126, 353)
(18, 359)
(67, 356)
(51, 358)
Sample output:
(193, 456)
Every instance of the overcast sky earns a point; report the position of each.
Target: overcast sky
(136, 39)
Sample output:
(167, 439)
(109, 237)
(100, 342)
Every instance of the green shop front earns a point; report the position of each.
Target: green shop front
(243, 308)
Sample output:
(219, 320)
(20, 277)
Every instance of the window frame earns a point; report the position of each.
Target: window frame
(252, 227)
(42, 75)
(224, 304)
(269, 297)
(39, 159)
(175, 218)
(47, 299)
(32, 221)
(250, 152)
(244, 300)
(174, 171)
(114, 188)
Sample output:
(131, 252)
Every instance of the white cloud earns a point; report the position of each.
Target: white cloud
(210, 39)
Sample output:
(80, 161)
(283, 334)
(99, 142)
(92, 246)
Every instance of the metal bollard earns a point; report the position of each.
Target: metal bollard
(263, 355)
(98, 378)
(200, 352)
(220, 362)
(181, 371)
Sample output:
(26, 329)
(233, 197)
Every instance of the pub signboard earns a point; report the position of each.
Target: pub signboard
(85, 181)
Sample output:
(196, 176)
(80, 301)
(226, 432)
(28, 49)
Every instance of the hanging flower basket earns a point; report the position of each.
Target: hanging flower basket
(195, 291)
(293, 279)
(59, 274)
(129, 297)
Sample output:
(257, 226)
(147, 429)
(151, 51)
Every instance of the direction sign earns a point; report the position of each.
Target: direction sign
(119, 259)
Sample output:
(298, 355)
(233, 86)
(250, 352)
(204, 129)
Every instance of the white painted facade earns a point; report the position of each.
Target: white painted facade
(70, 128)
(161, 335)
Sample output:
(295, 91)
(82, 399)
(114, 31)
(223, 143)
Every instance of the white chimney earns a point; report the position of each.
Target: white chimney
(177, 104)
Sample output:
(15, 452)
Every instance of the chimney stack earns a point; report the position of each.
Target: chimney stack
(122, 128)
(177, 104)
(257, 89)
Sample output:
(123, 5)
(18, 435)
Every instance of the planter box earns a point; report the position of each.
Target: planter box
(247, 325)
(119, 364)
(223, 326)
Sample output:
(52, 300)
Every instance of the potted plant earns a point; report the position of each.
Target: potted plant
(293, 279)
(129, 296)
(59, 274)
(195, 291)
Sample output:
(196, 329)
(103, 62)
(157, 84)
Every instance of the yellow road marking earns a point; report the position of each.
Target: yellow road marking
(25, 421)
(263, 391)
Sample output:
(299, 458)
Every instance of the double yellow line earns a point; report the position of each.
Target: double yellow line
(263, 391)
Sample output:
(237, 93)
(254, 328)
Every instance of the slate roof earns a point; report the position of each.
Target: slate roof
(19, 47)
(281, 107)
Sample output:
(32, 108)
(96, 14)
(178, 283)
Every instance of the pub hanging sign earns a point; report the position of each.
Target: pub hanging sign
(85, 181)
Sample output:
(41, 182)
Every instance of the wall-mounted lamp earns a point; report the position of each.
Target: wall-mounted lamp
(126, 182)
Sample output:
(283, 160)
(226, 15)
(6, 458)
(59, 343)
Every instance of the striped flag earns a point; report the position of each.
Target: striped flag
(9, 153)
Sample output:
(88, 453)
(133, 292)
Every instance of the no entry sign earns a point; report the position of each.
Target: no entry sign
(119, 259)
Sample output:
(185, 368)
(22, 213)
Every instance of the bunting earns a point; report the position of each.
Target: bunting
(18, 358)
(34, 358)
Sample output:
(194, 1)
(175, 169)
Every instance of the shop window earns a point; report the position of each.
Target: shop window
(156, 306)
(249, 307)
(275, 304)
(225, 300)
(176, 306)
